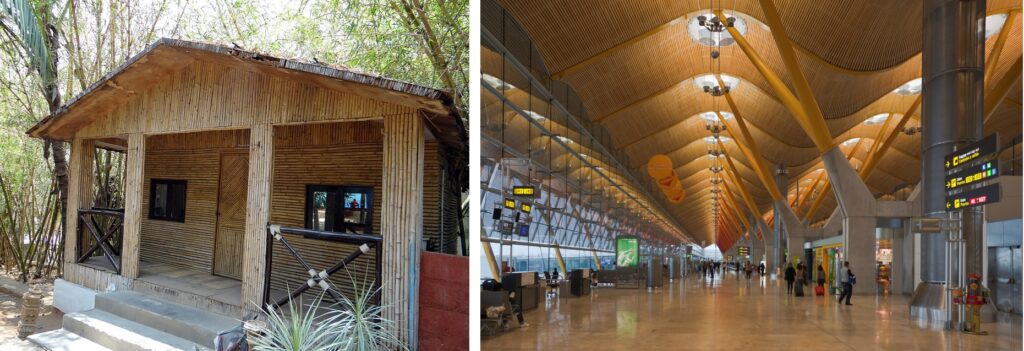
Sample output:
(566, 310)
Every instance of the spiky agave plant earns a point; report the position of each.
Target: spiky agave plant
(353, 324)
(363, 320)
(300, 329)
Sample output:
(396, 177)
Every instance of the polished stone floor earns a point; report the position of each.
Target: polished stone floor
(731, 314)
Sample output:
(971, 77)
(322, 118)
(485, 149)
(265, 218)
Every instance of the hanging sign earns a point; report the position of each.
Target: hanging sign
(972, 175)
(524, 191)
(627, 251)
(980, 149)
(523, 229)
(510, 204)
(977, 197)
(743, 250)
(525, 207)
(506, 227)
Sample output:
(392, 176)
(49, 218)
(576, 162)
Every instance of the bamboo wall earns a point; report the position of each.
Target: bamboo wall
(334, 154)
(194, 157)
(80, 173)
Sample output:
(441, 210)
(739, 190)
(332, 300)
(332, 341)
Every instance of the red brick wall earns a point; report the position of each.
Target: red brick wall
(444, 302)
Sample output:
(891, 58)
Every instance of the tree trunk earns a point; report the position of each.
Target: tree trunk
(53, 100)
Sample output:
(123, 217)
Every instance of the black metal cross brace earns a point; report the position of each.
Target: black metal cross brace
(102, 242)
(315, 278)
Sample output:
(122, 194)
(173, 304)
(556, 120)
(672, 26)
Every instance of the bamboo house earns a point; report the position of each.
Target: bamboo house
(251, 178)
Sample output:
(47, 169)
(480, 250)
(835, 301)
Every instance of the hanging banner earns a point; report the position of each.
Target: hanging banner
(627, 251)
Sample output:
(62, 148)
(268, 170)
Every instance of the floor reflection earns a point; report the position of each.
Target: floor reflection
(728, 314)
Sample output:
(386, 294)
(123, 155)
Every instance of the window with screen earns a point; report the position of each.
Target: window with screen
(167, 199)
(339, 208)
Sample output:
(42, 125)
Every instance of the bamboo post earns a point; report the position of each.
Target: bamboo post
(133, 212)
(257, 215)
(402, 222)
(79, 193)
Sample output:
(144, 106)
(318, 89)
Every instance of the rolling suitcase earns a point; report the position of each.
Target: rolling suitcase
(819, 290)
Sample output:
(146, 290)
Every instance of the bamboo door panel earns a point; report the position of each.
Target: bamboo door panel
(231, 200)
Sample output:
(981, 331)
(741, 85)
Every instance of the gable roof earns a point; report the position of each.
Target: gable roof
(167, 56)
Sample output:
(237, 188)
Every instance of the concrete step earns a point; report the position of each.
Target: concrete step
(185, 322)
(118, 333)
(62, 340)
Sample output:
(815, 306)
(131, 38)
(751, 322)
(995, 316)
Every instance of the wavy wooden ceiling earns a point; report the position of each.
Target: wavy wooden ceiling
(854, 54)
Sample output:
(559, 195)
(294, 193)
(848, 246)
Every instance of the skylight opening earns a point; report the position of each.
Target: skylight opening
(851, 142)
(912, 87)
(710, 116)
(496, 83)
(994, 24)
(711, 139)
(877, 119)
(536, 116)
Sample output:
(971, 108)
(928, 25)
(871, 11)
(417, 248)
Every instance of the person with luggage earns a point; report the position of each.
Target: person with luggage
(848, 279)
(820, 289)
(801, 280)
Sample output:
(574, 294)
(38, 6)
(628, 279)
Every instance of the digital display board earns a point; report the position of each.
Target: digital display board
(524, 191)
(510, 204)
(977, 197)
(972, 152)
(972, 175)
(525, 208)
(523, 230)
(627, 251)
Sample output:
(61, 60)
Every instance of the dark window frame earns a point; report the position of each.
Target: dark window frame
(335, 205)
(171, 199)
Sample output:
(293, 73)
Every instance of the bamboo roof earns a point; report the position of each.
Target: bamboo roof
(632, 63)
(167, 56)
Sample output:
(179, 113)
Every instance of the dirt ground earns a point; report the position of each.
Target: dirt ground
(10, 313)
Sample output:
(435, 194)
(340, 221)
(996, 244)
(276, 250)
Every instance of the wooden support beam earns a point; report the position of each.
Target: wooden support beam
(402, 221)
(83, 154)
(133, 211)
(257, 215)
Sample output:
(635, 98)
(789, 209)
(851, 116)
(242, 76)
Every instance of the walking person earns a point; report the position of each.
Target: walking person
(820, 289)
(801, 280)
(848, 279)
(790, 275)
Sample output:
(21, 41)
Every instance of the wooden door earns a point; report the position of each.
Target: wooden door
(233, 185)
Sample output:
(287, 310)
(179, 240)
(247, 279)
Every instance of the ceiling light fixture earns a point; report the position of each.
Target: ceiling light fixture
(709, 30)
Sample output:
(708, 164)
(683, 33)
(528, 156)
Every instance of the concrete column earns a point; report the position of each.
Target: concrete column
(859, 250)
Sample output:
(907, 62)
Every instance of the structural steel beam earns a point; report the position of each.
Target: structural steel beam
(876, 154)
(821, 176)
(749, 149)
(997, 48)
(489, 254)
(813, 121)
(998, 93)
(786, 97)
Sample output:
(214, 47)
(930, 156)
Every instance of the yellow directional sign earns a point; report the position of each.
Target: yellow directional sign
(525, 191)
(510, 204)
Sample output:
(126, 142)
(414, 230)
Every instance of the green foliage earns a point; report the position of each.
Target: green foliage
(353, 324)
(97, 36)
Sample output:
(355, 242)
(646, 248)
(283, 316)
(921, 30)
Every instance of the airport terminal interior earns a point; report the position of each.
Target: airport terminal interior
(750, 174)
